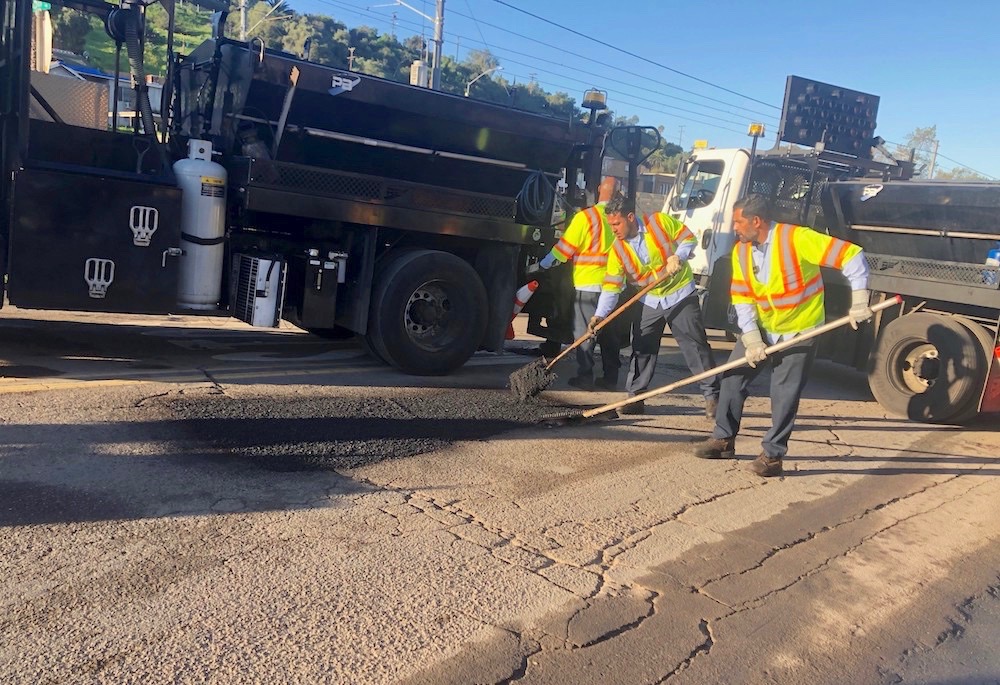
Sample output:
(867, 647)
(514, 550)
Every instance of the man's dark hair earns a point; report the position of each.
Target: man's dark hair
(619, 204)
(753, 205)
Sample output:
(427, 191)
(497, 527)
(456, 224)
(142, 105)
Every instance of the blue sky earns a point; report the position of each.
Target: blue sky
(930, 63)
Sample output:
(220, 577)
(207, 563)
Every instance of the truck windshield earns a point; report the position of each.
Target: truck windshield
(699, 184)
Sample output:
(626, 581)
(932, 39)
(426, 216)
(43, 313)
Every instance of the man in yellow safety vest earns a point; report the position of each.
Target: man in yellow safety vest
(648, 250)
(777, 291)
(587, 241)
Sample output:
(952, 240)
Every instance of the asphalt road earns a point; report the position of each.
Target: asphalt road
(186, 500)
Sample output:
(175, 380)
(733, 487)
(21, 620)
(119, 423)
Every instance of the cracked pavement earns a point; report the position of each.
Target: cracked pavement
(355, 526)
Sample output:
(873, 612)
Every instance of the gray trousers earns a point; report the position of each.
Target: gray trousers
(584, 307)
(685, 322)
(789, 373)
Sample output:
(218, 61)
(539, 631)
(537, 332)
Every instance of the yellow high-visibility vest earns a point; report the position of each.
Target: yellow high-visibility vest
(663, 235)
(792, 299)
(587, 241)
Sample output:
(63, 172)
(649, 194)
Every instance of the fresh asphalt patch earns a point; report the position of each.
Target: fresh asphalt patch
(338, 432)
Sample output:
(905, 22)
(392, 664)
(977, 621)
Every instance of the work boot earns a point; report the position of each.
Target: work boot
(711, 405)
(766, 466)
(607, 382)
(716, 448)
(582, 382)
(634, 408)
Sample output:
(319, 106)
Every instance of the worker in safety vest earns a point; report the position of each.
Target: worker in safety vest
(653, 248)
(777, 291)
(587, 241)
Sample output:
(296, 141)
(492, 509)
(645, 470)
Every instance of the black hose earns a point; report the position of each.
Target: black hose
(138, 70)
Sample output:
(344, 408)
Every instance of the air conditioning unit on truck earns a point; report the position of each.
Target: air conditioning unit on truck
(929, 359)
(273, 187)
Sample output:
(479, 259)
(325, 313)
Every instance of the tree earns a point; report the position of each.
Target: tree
(960, 173)
(920, 143)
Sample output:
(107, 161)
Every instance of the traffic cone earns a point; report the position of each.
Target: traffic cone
(991, 397)
(521, 298)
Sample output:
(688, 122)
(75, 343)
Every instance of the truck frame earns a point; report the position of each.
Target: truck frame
(344, 202)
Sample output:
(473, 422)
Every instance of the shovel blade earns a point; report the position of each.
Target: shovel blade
(531, 379)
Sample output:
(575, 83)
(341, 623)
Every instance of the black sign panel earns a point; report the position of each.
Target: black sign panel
(842, 120)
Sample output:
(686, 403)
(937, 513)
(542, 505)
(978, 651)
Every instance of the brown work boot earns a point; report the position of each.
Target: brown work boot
(766, 466)
(711, 406)
(716, 448)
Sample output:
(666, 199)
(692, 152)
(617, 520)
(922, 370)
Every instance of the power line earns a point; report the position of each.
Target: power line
(659, 104)
(356, 10)
(624, 71)
(636, 56)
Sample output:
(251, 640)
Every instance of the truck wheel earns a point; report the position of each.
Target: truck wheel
(927, 367)
(985, 341)
(428, 312)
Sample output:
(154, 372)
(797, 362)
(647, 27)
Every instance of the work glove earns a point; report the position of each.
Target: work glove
(860, 311)
(673, 265)
(533, 268)
(593, 323)
(756, 349)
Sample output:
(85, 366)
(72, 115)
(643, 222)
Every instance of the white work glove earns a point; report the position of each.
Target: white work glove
(594, 322)
(860, 311)
(533, 268)
(673, 265)
(756, 349)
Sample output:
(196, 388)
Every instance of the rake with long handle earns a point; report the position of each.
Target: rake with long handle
(736, 363)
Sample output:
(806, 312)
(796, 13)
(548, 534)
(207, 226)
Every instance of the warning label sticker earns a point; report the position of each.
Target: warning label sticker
(212, 187)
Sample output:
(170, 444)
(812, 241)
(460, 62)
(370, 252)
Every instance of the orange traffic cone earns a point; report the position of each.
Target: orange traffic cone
(521, 298)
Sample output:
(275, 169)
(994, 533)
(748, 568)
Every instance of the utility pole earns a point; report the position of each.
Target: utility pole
(930, 171)
(680, 136)
(350, 59)
(438, 43)
(243, 20)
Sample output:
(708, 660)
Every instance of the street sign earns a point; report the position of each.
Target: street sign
(39, 6)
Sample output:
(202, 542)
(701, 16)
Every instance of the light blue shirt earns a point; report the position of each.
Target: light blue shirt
(855, 270)
(608, 300)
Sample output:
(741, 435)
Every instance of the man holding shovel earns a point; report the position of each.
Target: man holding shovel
(777, 290)
(587, 241)
(656, 249)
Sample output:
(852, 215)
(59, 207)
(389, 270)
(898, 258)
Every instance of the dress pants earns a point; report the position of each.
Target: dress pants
(789, 373)
(584, 307)
(686, 325)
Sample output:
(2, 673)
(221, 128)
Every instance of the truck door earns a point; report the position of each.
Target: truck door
(703, 199)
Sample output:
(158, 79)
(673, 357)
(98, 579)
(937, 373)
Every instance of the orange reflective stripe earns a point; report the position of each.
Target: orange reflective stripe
(592, 260)
(565, 248)
(835, 253)
(791, 270)
(660, 237)
(630, 261)
(596, 227)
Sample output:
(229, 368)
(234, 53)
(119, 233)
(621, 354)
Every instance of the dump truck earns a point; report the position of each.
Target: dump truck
(930, 358)
(264, 186)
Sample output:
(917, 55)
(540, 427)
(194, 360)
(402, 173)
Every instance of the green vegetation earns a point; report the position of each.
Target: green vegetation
(327, 40)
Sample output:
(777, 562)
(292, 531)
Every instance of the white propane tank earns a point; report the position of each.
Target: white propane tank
(203, 227)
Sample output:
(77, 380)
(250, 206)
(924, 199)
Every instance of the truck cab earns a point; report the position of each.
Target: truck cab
(708, 184)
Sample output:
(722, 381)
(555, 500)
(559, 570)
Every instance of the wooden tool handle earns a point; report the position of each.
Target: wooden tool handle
(736, 363)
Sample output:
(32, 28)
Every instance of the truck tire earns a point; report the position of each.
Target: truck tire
(927, 367)
(428, 312)
(982, 370)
